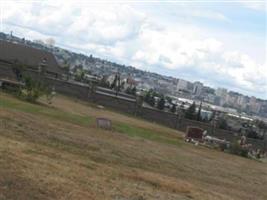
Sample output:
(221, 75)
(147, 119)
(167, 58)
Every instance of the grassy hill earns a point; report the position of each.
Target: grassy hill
(56, 152)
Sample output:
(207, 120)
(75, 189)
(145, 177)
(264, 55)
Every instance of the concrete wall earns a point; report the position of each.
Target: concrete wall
(115, 102)
(125, 103)
(153, 115)
(6, 72)
(70, 88)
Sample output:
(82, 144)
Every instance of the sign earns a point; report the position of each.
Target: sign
(194, 133)
(104, 123)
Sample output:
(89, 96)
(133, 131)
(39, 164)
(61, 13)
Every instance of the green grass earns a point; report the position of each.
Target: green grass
(148, 134)
(54, 113)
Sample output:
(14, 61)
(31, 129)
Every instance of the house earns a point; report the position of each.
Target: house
(30, 59)
(129, 82)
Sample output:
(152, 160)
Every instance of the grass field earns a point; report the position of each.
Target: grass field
(56, 152)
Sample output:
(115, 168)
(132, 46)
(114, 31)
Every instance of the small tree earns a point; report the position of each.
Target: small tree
(161, 103)
(199, 117)
(79, 75)
(190, 113)
(149, 98)
(33, 90)
(169, 100)
(237, 149)
(104, 83)
(222, 123)
(173, 108)
(133, 91)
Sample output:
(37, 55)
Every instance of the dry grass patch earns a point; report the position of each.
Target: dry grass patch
(159, 181)
(48, 157)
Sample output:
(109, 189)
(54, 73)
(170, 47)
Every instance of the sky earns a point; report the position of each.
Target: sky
(220, 43)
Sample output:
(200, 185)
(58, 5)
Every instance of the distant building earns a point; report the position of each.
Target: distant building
(241, 100)
(198, 88)
(210, 98)
(221, 92)
(129, 82)
(183, 86)
(254, 105)
(231, 98)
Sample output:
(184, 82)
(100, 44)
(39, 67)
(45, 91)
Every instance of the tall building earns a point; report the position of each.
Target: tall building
(182, 85)
(221, 92)
(254, 105)
(197, 88)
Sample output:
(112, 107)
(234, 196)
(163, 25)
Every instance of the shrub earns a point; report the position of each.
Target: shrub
(33, 90)
(237, 149)
(190, 113)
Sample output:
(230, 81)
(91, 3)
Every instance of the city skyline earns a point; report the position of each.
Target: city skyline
(221, 45)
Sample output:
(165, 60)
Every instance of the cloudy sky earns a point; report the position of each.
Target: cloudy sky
(221, 43)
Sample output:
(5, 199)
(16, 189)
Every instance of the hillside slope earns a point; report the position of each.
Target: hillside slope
(56, 152)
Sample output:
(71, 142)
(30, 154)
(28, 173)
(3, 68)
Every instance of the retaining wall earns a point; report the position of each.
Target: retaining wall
(125, 103)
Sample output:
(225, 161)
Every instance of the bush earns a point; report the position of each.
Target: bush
(33, 90)
(222, 124)
(237, 149)
(161, 103)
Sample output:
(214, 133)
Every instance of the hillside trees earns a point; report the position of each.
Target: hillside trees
(173, 108)
(190, 113)
(161, 103)
(149, 97)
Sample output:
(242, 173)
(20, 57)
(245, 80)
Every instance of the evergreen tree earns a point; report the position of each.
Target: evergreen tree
(173, 108)
(133, 91)
(190, 113)
(222, 123)
(199, 118)
(161, 103)
(151, 100)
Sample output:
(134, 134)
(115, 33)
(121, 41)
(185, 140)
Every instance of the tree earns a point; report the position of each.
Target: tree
(133, 91)
(261, 124)
(190, 113)
(33, 90)
(128, 90)
(173, 108)
(222, 123)
(104, 83)
(169, 100)
(161, 103)
(199, 118)
(79, 75)
(149, 98)
(116, 84)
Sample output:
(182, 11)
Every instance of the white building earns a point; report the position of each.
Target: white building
(197, 88)
(221, 92)
(182, 85)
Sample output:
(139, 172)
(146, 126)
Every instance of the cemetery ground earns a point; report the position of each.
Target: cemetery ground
(57, 152)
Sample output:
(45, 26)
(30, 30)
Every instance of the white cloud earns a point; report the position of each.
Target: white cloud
(254, 4)
(128, 35)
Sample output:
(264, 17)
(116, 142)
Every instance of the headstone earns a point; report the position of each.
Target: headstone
(194, 133)
(104, 123)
